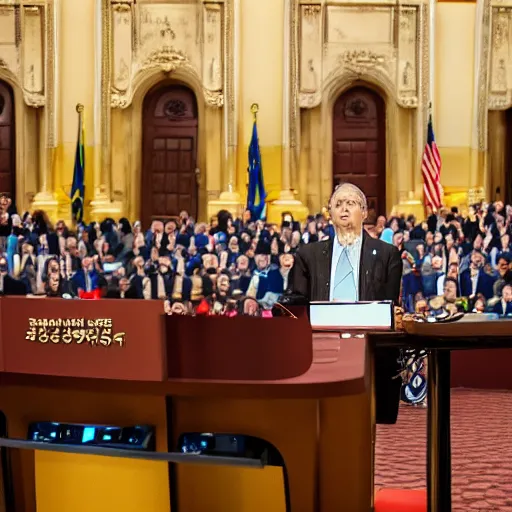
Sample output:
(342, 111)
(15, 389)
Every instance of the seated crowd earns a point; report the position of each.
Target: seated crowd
(232, 266)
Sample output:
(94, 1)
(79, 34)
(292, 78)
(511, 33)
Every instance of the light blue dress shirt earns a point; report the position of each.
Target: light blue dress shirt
(354, 256)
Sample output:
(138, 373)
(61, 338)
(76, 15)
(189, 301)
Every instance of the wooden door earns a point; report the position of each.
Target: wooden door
(359, 145)
(169, 183)
(7, 141)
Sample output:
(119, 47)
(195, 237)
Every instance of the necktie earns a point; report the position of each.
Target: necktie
(88, 284)
(344, 284)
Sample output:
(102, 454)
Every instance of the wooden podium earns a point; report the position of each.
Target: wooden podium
(122, 362)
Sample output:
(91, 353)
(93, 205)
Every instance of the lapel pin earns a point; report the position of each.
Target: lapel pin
(374, 252)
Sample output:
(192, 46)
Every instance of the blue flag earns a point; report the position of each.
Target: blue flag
(78, 187)
(256, 194)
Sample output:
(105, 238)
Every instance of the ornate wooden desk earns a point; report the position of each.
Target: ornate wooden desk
(122, 362)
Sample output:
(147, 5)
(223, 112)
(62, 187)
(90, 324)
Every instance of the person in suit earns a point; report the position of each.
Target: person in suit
(475, 279)
(504, 306)
(351, 267)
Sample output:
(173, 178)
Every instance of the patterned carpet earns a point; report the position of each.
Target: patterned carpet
(481, 451)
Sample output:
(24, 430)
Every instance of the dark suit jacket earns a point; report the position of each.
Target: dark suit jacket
(380, 271)
(380, 274)
(485, 284)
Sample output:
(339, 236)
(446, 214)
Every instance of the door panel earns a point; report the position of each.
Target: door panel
(7, 141)
(169, 160)
(359, 145)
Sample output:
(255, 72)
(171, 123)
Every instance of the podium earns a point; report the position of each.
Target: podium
(122, 362)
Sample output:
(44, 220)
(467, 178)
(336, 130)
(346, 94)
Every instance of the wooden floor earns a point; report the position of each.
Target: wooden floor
(481, 451)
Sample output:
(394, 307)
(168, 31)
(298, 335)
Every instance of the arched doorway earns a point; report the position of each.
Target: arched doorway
(7, 142)
(359, 145)
(170, 128)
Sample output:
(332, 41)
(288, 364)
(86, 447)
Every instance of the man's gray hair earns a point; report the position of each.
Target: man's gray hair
(355, 190)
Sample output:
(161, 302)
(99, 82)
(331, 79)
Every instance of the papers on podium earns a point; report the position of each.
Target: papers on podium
(335, 316)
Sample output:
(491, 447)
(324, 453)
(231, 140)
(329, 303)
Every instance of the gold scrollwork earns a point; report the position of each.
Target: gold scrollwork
(213, 98)
(121, 7)
(35, 100)
(310, 100)
(362, 58)
(311, 10)
(167, 58)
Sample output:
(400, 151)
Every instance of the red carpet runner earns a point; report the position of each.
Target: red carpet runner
(481, 451)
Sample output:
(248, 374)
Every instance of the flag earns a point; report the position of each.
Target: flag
(256, 194)
(78, 186)
(431, 170)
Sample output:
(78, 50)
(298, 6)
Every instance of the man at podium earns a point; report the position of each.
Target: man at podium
(352, 267)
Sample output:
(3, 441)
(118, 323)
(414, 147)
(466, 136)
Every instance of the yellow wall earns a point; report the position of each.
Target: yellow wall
(453, 95)
(260, 56)
(77, 76)
(261, 79)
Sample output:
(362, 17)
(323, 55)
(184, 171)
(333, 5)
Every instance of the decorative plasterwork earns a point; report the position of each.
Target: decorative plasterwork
(499, 54)
(23, 26)
(494, 62)
(379, 38)
(194, 37)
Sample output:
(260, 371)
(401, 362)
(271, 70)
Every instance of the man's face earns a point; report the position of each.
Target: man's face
(453, 271)
(53, 267)
(223, 283)
(502, 266)
(124, 284)
(477, 243)
(476, 260)
(262, 261)
(286, 261)
(449, 241)
(507, 293)
(87, 263)
(429, 238)
(242, 263)
(437, 262)
(450, 291)
(346, 210)
(170, 227)
(398, 239)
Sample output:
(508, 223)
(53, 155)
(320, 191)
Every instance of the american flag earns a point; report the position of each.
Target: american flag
(431, 170)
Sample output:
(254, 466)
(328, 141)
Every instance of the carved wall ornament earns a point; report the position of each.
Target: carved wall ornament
(310, 100)
(312, 10)
(362, 58)
(121, 7)
(168, 58)
(35, 100)
(355, 108)
(175, 109)
(500, 28)
(497, 102)
(406, 74)
(213, 98)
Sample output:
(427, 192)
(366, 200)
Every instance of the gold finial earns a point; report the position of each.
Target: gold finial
(254, 109)
(79, 108)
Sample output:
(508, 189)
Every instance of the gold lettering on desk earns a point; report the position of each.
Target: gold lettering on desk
(74, 331)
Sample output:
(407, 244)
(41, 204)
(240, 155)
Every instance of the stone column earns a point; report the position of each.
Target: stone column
(229, 198)
(287, 201)
(47, 118)
(101, 205)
